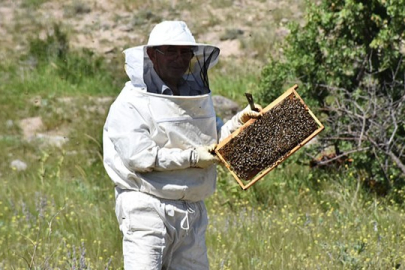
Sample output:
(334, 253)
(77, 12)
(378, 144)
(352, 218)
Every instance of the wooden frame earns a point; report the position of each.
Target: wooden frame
(261, 174)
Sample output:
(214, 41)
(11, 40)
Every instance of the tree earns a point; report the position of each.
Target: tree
(348, 61)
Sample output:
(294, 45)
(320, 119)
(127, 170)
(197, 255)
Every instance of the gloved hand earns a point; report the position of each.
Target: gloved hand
(248, 113)
(204, 156)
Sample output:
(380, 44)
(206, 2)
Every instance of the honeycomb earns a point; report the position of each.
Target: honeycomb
(264, 143)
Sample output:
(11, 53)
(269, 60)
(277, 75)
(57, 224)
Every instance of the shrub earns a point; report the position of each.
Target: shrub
(348, 61)
(71, 65)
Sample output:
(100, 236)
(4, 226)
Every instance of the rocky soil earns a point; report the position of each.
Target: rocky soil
(108, 26)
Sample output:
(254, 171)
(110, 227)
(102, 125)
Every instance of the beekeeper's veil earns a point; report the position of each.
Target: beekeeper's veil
(172, 33)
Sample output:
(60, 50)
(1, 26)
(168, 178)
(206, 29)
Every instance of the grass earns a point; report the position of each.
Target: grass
(59, 212)
(53, 207)
(244, 78)
(334, 226)
(52, 213)
(58, 218)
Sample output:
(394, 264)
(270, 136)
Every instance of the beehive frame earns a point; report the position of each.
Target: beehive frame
(261, 174)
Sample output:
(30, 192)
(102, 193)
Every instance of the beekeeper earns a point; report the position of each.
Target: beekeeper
(158, 140)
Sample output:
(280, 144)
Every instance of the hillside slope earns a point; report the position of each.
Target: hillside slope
(243, 29)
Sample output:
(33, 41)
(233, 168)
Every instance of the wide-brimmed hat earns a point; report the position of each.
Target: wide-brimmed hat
(178, 34)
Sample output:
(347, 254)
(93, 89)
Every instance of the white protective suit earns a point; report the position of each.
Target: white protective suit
(147, 140)
(148, 137)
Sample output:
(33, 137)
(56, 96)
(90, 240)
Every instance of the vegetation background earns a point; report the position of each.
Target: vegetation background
(61, 67)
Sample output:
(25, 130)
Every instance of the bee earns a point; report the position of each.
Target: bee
(269, 139)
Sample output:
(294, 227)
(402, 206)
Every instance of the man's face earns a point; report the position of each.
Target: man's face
(171, 62)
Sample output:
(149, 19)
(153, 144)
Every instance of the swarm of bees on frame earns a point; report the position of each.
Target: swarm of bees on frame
(269, 139)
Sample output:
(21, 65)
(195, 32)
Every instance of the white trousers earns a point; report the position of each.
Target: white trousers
(162, 234)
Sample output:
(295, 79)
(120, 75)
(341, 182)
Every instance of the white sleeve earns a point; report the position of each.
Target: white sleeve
(130, 131)
(230, 126)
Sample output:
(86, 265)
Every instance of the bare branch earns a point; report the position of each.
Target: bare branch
(369, 119)
(398, 162)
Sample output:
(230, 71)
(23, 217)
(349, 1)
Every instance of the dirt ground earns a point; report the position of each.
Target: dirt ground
(108, 26)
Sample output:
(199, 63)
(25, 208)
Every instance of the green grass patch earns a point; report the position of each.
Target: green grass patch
(337, 226)
(231, 80)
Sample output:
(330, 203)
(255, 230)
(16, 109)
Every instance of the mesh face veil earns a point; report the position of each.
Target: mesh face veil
(204, 58)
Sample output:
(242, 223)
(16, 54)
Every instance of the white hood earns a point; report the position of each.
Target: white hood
(137, 61)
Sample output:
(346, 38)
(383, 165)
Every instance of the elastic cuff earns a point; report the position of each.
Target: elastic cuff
(193, 158)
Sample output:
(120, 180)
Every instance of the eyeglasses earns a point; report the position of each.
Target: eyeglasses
(173, 53)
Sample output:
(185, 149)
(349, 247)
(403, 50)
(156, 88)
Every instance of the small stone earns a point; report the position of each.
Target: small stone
(224, 107)
(53, 140)
(18, 165)
(9, 123)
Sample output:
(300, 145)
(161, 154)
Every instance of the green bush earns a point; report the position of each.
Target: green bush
(347, 60)
(73, 66)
